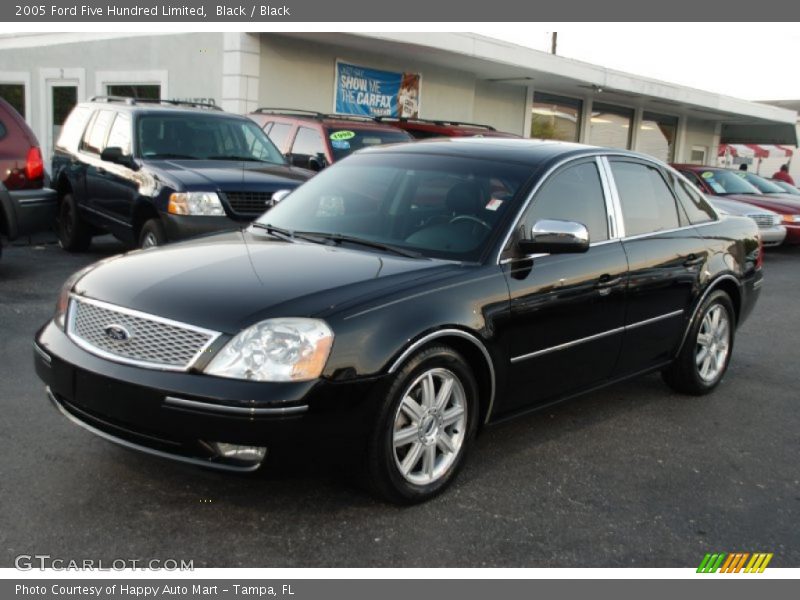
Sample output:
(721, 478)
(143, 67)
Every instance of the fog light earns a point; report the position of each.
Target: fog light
(250, 454)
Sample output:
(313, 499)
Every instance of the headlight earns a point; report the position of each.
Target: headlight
(195, 203)
(791, 219)
(63, 297)
(288, 349)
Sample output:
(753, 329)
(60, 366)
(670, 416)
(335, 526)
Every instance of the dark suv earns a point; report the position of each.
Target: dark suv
(315, 140)
(429, 128)
(26, 204)
(156, 171)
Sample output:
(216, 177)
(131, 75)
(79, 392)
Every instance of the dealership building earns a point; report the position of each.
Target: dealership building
(457, 77)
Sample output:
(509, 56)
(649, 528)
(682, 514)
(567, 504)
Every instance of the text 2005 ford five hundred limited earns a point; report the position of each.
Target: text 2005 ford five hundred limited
(401, 300)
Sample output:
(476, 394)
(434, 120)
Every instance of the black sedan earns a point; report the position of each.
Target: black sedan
(400, 301)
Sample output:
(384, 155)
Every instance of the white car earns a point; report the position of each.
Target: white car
(769, 222)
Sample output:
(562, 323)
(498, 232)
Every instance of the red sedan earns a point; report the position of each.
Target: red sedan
(717, 181)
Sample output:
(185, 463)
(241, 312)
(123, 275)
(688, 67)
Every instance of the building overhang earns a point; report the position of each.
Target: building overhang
(499, 62)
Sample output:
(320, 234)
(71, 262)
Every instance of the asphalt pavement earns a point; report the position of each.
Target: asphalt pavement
(634, 475)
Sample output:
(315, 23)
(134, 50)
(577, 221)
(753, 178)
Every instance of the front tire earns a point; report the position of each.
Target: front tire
(424, 428)
(704, 358)
(152, 234)
(73, 234)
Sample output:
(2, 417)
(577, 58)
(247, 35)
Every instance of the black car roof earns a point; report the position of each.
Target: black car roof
(519, 150)
(155, 107)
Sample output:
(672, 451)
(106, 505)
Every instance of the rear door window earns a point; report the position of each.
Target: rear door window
(647, 202)
(279, 133)
(95, 136)
(73, 128)
(696, 208)
(308, 142)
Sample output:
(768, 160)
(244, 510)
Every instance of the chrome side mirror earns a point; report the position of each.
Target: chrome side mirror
(277, 197)
(552, 236)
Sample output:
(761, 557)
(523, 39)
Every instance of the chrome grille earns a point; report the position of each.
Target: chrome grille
(248, 203)
(765, 221)
(151, 341)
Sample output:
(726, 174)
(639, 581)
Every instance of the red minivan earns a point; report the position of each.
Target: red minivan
(26, 205)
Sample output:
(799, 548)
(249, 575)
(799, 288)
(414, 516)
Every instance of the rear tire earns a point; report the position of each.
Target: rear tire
(425, 426)
(704, 358)
(74, 235)
(152, 234)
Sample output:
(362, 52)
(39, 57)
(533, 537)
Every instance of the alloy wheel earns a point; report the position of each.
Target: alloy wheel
(713, 343)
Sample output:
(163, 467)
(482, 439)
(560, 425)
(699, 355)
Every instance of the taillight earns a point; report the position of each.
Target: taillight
(34, 167)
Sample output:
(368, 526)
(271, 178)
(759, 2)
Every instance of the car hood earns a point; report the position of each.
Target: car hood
(736, 207)
(228, 281)
(780, 205)
(222, 175)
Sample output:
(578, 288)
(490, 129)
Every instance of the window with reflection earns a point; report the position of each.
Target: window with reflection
(657, 136)
(556, 117)
(610, 126)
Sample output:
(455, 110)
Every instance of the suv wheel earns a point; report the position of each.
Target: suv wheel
(73, 234)
(152, 234)
(427, 422)
(704, 358)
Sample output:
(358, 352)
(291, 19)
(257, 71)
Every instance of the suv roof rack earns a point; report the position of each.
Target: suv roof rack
(131, 101)
(292, 112)
(440, 122)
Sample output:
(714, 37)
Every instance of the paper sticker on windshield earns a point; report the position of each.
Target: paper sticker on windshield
(707, 175)
(719, 189)
(494, 204)
(342, 135)
(340, 144)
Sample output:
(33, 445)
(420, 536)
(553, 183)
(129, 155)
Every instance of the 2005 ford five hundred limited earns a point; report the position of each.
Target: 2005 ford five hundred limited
(401, 300)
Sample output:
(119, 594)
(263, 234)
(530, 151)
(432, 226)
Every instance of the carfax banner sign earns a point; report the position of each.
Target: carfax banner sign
(374, 93)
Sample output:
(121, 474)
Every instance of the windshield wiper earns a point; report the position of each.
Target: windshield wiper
(169, 155)
(285, 234)
(339, 238)
(235, 157)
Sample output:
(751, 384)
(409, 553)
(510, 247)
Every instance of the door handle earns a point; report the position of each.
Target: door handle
(693, 260)
(607, 281)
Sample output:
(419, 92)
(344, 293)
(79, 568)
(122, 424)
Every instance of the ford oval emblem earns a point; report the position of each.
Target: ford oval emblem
(117, 333)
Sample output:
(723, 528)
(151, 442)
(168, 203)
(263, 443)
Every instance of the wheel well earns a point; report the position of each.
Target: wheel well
(63, 187)
(730, 288)
(142, 213)
(477, 361)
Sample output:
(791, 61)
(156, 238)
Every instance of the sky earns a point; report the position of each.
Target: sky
(753, 61)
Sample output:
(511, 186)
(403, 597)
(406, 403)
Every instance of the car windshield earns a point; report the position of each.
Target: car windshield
(437, 206)
(726, 182)
(788, 188)
(764, 186)
(203, 137)
(346, 140)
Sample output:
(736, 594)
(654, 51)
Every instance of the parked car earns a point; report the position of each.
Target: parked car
(763, 185)
(314, 140)
(787, 188)
(723, 182)
(430, 128)
(27, 205)
(151, 172)
(401, 300)
(769, 222)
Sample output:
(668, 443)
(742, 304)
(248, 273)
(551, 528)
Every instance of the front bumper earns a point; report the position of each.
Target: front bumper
(181, 227)
(773, 236)
(179, 415)
(792, 234)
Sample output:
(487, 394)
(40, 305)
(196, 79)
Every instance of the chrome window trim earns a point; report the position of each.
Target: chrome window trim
(458, 333)
(614, 196)
(672, 230)
(234, 410)
(152, 451)
(616, 228)
(596, 336)
(214, 335)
